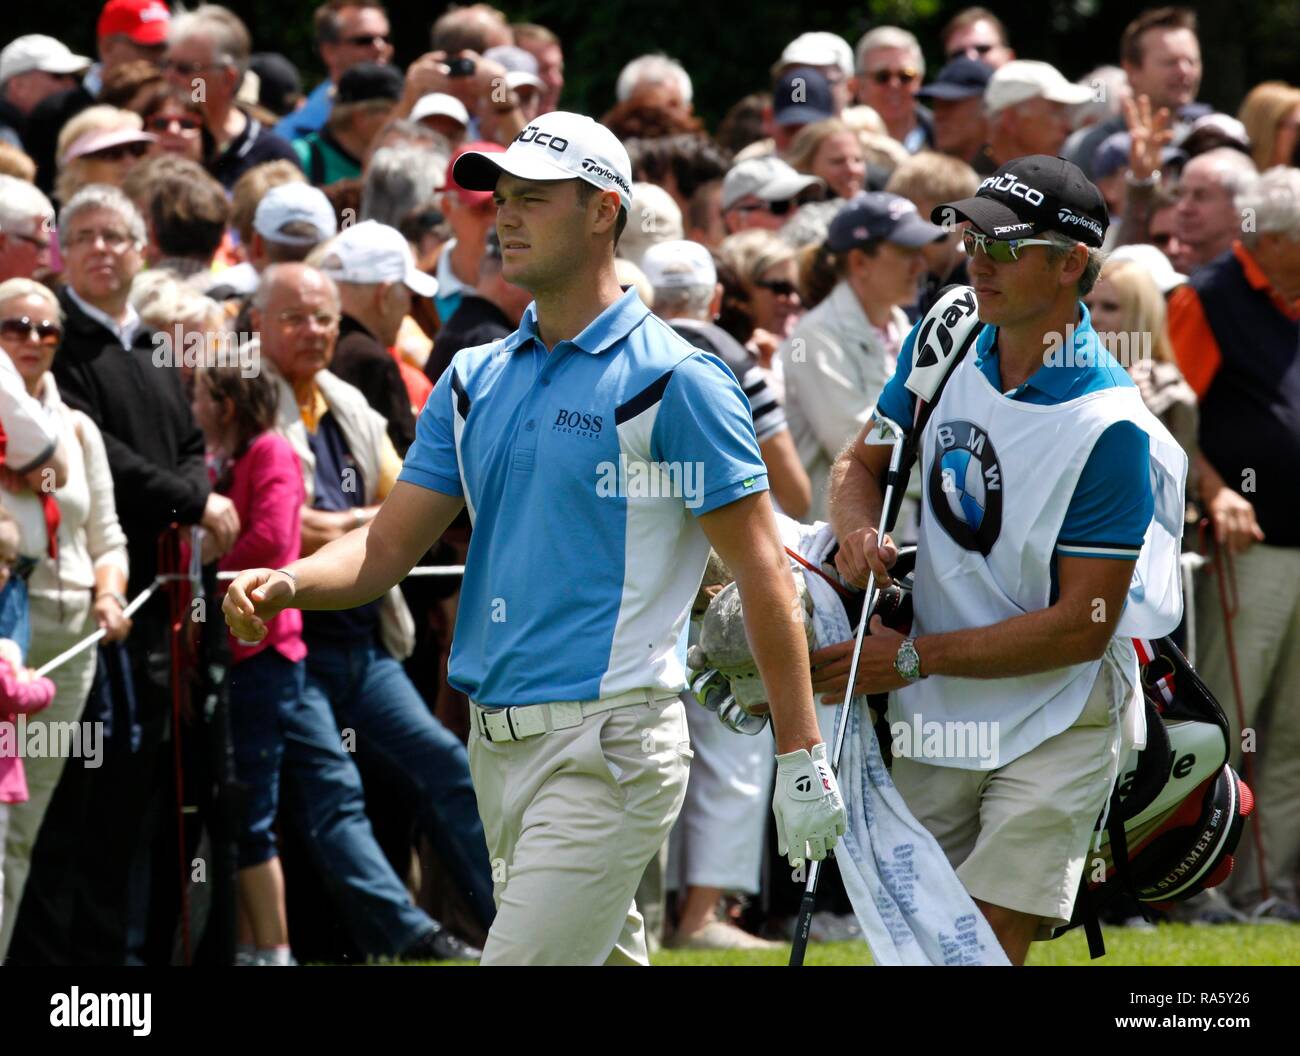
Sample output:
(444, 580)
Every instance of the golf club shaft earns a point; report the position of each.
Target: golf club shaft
(803, 922)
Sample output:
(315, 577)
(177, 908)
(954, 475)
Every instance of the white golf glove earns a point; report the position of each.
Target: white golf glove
(808, 806)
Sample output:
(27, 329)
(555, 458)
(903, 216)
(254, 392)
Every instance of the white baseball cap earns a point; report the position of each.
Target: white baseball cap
(767, 177)
(440, 104)
(520, 66)
(816, 49)
(36, 51)
(672, 265)
(371, 252)
(290, 202)
(1024, 79)
(555, 146)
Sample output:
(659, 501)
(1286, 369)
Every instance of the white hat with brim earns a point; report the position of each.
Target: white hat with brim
(678, 264)
(768, 178)
(816, 49)
(369, 253)
(440, 104)
(37, 52)
(1024, 79)
(523, 79)
(93, 142)
(555, 146)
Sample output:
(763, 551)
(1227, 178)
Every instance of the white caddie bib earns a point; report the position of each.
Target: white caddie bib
(997, 478)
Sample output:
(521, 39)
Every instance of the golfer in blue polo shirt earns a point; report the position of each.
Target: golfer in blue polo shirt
(1051, 516)
(600, 456)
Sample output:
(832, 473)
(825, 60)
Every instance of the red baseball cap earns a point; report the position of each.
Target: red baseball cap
(143, 21)
(468, 197)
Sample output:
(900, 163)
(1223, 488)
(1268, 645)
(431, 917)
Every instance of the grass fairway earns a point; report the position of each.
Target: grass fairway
(1170, 944)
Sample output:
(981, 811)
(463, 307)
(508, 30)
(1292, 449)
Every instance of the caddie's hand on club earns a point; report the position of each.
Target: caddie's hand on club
(809, 809)
(862, 552)
(254, 597)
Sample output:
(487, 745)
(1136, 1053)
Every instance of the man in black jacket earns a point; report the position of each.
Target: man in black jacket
(106, 824)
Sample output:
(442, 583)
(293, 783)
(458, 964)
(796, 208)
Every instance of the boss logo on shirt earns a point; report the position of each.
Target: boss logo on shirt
(578, 423)
(965, 486)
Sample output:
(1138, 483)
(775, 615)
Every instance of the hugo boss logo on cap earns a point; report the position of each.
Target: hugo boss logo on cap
(556, 146)
(533, 134)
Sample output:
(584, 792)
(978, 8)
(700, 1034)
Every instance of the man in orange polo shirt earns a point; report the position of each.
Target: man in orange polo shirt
(1236, 331)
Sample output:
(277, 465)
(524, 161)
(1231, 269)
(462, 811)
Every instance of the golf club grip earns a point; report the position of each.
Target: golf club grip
(803, 923)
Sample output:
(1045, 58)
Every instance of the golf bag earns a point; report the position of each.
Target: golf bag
(1178, 809)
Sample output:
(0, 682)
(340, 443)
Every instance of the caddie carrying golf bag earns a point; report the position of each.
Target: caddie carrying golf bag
(1178, 808)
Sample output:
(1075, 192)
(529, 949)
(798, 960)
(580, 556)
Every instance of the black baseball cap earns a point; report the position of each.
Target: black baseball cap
(1033, 194)
(370, 80)
(962, 78)
(280, 85)
(878, 215)
(802, 96)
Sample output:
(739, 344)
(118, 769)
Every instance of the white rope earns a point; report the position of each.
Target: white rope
(90, 640)
(159, 580)
(418, 570)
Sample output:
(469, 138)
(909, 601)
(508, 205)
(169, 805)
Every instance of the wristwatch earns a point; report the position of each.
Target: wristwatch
(115, 595)
(908, 662)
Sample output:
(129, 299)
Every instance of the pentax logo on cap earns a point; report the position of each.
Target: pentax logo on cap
(1008, 184)
(1008, 229)
(1068, 217)
(603, 171)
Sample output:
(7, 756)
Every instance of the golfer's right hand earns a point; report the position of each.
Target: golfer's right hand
(254, 597)
(809, 809)
(862, 552)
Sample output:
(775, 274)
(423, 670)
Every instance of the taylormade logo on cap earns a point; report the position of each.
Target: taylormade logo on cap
(556, 146)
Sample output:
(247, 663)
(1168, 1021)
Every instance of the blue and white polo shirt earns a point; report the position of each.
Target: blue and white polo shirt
(584, 469)
(1113, 500)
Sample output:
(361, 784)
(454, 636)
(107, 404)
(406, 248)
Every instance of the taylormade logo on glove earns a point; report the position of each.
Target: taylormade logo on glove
(809, 809)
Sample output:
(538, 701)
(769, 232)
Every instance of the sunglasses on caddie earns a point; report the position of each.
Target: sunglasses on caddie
(1000, 251)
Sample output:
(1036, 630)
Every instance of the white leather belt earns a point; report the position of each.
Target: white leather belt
(532, 720)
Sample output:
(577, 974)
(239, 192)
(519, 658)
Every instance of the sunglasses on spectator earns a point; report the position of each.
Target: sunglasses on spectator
(779, 287)
(980, 49)
(1000, 251)
(905, 76)
(163, 123)
(23, 327)
(121, 151)
(367, 40)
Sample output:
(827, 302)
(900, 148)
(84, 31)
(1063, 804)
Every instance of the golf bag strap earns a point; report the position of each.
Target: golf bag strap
(1091, 925)
(912, 441)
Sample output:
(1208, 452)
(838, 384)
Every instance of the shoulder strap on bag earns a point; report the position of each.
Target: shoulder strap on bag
(946, 334)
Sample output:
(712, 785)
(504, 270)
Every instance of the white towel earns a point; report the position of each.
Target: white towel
(912, 907)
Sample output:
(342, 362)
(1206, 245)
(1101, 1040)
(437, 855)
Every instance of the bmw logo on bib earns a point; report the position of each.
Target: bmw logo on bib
(965, 486)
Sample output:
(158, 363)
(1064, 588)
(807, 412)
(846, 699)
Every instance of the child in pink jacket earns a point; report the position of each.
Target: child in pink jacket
(21, 693)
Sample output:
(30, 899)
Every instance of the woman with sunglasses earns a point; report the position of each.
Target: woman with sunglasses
(100, 145)
(78, 583)
(177, 121)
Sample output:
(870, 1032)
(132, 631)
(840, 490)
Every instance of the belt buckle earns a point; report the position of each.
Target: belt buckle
(497, 731)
